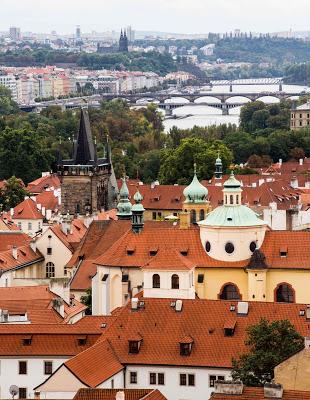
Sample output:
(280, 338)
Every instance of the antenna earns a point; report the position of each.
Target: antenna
(13, 390)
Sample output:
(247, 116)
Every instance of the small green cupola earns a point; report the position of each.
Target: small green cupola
(218, 167)
(232, 191)
(137, 213)
(195, 192)
(124, 206)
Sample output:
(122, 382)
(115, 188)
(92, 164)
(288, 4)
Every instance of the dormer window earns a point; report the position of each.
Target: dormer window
(130, 250)
(229, 327)
(135, 344)
(186, 345)
(153, 251)
(184, 251)
(27, 340)
(82, 340)
(283, 252)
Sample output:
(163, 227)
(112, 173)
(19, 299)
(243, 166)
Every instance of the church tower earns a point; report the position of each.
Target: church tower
(85, 178)
(218, 168)
(124, 206)
(137, 213)
(196, 203)
(123, 42)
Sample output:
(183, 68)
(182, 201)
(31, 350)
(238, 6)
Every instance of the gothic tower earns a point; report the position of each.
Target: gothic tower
(123, 42)
(85, 179)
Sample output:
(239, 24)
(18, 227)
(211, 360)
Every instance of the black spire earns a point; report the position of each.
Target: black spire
(84, 151)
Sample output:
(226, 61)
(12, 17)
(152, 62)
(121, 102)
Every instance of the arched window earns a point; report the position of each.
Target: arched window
(201, 215)
(50, 270)
(175, 284)
(226, 199)
(237, 199)
(284, 293)
(230, 292)
(193, 217)
(231, 199)
(156, 281)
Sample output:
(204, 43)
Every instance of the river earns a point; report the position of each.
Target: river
(189, 116)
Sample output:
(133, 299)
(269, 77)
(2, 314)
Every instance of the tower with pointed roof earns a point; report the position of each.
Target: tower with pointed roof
(85, 178)
(218, 174)
(124, 206)
(123, 42)
(137, 213)
(196, 203)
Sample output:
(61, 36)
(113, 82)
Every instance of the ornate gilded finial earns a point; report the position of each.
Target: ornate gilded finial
(195, 168)
(218, 154)
(95, 141)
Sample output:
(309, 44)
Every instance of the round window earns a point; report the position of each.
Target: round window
(229, 248)
(253, 246)
(208, 247)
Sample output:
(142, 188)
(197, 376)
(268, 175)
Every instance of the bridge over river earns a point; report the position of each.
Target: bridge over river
(165, 101)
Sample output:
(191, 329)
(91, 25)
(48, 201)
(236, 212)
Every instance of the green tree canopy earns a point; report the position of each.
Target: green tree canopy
(7, 105)
(269, 344)
(12, 193)
(177, 164)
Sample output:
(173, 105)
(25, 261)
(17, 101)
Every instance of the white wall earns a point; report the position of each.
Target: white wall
(35, 374)
(186, 281)
(276, 219)
(23, 224)
(172, 389)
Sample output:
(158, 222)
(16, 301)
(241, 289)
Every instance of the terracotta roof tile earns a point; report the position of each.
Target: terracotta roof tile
(41, 184)
(27, 209)
(258, 394)
(48, 200)
(109, 394)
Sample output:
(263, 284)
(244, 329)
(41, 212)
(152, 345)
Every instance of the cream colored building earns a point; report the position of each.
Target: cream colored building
(300, 117)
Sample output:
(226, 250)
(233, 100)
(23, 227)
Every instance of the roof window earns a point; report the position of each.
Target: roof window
(283, 251)
(27, 340)
(82, 340)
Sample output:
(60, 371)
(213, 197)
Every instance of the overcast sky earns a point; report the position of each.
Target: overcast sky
(180, 16)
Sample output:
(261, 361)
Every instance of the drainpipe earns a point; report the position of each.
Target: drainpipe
(124, 373)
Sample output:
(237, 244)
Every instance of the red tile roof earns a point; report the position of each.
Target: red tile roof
(41, 184)
(109, 394)
(170, 260)
(25, 256)
(48, 200)
(36, 301)
(27, 209)
(73, 238)
(13, 238)
(258, 394)
(161, 328)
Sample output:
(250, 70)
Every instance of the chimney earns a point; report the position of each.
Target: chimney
(294, 182)
(301, 161)
(33, 198)
(242, 308)
(12, 212)
(33, 245)
(273, 391)
(280, 161)
(14, 252)
(134, 303)
(185, 220)
(120, 395)
(228, 387)
(58, 306)
(36, 395)
(43, 211)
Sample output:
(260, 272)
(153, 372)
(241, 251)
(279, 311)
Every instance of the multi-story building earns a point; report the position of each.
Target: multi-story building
(9, 81)
(300, 117)
(14, 33)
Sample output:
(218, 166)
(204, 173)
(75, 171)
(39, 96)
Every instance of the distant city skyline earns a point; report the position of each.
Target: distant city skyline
(175, 16)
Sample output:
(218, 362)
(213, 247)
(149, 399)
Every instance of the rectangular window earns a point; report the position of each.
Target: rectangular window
(22, 367)
(182, 379)
(154, 215)
(48, 367)
(152, 378)
(22, 393)
(213, 378)
(133, 377)
(49, 251)
(191, 380)
(200, 278)
(19, 224)
(29, 226)
(161, 378)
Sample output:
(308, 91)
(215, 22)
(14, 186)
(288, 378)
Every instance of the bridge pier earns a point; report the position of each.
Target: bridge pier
(225, 109)
(280, 86)
(231, 88)
(168, 112)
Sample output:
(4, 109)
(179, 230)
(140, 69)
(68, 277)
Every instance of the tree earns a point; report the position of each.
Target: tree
(269, 343)
(87, 301)
(177, 164)
(7, 105)
(22, 154)
(12, 193)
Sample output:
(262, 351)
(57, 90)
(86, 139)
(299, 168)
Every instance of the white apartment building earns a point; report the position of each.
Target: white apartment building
(9, 81)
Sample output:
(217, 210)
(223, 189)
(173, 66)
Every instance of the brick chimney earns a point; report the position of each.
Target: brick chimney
(228, 387)
(185, 221)
(273, 391)
(120, 395)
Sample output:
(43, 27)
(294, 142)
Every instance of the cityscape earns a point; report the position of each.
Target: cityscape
(155, 200)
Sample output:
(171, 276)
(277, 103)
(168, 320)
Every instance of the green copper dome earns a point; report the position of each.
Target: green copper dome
(138, 199)
(124, 206)
(232, 182)
(225, 216)
(195, 192)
